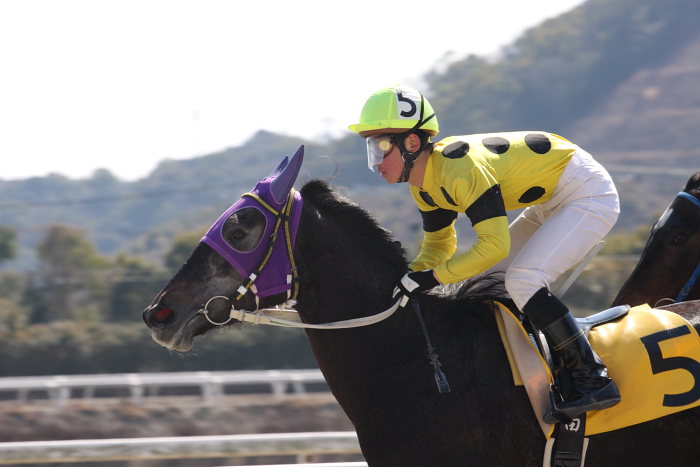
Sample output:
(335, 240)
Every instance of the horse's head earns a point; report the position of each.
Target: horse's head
(245, 260)
(671, 255)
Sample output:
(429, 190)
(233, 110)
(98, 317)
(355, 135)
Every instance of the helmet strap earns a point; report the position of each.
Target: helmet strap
(410, 157)
(407, 167)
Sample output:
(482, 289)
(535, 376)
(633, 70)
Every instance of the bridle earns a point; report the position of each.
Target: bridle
(286, 218)
(685, 290)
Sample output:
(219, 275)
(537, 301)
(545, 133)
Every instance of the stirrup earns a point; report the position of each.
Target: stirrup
(559, 413)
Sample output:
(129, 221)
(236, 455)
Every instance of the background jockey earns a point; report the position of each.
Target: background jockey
(570, 204)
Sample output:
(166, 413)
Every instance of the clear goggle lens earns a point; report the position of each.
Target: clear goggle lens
(377, 148)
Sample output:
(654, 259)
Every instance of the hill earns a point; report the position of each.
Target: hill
(650, 118)
(619, 77)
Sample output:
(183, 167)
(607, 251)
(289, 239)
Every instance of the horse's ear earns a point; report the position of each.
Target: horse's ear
(693, 185)
(284, 181)
(278, 170)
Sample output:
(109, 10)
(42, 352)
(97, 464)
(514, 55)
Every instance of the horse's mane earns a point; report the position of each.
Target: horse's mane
(488, 286)
(358, 221)
(363, 225)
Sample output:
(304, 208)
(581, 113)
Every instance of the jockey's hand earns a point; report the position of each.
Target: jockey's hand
(413, 283)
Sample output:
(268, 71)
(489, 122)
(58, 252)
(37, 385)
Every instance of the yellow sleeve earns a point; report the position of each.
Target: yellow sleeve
(437, 247)
(479, 194)
(492, 246)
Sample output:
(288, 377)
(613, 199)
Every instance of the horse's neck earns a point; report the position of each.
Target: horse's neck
(688, 310)
(383, 364)
(333, 292)
(340, 279)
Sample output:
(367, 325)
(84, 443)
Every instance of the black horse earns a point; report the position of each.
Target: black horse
(380, 375)
(669, 266)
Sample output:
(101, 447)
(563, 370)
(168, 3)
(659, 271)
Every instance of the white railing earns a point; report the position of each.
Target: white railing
(211, 384)
(182, 447)
(323, 464)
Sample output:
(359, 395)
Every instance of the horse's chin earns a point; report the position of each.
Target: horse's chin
(181, 340)
(179, 343)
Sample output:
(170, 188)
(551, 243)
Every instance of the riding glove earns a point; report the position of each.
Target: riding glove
(413, 283)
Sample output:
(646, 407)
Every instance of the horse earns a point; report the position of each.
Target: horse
(668, 270)
(346, 267)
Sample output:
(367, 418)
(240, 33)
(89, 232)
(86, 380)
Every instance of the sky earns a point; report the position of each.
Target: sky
(123, 85)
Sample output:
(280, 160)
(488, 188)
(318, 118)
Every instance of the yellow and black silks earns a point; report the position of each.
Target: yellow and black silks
(483, 176)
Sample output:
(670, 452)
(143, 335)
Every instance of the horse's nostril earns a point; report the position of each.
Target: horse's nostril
(162, 315)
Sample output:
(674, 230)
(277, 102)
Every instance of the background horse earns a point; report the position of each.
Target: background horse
(671, 258)
(380, 375)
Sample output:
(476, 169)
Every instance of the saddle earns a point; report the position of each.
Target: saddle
(652, 355)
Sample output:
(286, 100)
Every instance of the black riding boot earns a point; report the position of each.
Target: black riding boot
(592, 388)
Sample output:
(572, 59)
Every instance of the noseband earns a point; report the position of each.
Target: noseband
(685, 290)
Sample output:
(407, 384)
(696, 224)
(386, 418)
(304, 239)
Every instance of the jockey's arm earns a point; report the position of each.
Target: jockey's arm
(437, 247)
(492, 246)
(478, 195)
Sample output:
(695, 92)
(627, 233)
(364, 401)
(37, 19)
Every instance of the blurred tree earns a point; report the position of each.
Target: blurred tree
(135, 284)
(8, 245)
(598, 285)
(181, 249)
(12, 317)
(626, 242)
(72, 274)
(36, 299)
(13, 284)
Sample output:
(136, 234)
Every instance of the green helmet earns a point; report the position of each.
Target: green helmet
(397, 107)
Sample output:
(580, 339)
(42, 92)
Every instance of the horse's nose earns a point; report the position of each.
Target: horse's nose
(157, 315)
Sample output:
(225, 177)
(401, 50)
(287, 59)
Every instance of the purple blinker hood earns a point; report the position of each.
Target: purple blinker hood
(274, 190)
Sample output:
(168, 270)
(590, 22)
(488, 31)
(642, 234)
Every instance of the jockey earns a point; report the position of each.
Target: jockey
(570, 204)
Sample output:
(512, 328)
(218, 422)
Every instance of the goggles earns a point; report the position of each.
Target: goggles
(377, 149)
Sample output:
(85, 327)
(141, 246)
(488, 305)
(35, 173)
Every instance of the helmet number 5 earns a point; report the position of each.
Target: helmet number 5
(659, 364)
(410, 113)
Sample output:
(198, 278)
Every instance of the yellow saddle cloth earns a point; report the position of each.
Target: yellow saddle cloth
(653, 355)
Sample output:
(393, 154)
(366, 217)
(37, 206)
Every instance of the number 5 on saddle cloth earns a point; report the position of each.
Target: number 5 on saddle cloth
(652, 355)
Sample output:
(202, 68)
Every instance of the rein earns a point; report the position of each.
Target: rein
(685, 290)
(290, 318)
(272, 317)
(280, 316)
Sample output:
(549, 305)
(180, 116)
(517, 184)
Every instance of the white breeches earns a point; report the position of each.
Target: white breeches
(549, 238)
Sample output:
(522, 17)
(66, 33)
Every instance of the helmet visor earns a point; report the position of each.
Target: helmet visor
(377, 148)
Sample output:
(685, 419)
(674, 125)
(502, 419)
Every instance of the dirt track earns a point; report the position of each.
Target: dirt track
(172, 416)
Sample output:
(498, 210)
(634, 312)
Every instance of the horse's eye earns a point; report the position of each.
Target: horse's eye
(238, 234)
(243, 230)
(679, 238)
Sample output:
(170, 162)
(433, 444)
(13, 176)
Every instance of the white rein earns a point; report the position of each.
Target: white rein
(287, 317)
(290, 318)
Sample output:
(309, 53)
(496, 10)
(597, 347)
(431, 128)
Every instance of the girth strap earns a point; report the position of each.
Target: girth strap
(567, 447)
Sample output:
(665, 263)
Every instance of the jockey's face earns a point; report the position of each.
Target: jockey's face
(392, 165)
(384, 155)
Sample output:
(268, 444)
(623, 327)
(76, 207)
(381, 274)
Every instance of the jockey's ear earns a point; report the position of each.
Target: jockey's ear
(412, 142)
